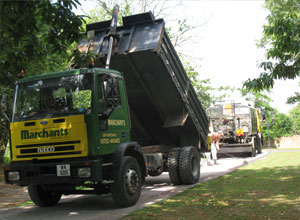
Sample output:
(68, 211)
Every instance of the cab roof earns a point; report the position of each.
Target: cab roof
(67, 73)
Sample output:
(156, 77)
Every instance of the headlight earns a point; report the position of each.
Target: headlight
(84, 172)
(13, 175)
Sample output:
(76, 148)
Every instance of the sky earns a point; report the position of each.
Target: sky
(224, 46)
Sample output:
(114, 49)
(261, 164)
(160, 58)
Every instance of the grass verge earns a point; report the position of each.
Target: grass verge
(266, 189)
(25, 203)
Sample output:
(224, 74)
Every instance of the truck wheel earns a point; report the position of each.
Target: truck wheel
(254, 146)
(173, 165)
(259, 144)
(41, 197)
(189, 165)
(127, 186)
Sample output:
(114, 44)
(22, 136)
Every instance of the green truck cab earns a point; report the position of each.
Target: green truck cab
(109, 126)
(62, 123)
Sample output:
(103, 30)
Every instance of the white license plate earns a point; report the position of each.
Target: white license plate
(63, 170)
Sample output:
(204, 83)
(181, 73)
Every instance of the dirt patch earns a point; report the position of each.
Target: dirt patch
(11, 195)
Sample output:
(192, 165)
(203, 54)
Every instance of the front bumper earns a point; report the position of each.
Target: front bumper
(46, 173)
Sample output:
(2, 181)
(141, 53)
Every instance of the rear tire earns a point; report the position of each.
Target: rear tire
(254, 146)
(41, 197)
(259, 144)
(189, 165)
(173, 165)
(127, 186)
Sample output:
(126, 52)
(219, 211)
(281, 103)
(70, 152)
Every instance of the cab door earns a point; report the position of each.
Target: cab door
(113, 113)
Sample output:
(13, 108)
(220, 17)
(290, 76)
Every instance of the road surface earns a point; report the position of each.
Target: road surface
(90, 207)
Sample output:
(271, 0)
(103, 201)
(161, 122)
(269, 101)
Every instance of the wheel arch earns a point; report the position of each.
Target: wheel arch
(129, 149)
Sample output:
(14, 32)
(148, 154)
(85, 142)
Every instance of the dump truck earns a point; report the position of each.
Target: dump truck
(103, 129)
(241, 128)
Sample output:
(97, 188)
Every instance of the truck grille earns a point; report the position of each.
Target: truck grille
(48, 149)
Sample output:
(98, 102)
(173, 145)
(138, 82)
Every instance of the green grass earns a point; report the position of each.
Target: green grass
(266, 189)
(25, 203)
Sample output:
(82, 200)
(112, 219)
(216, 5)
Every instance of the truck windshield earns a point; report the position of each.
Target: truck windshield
(47, 98)
(215, 112)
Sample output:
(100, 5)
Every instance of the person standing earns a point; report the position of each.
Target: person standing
(215, 145)
(208, 153)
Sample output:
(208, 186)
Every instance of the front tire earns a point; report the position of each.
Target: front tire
(189, 165)
(41, 197)
(127, 186)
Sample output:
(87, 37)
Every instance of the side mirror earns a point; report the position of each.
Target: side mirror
(4, 103)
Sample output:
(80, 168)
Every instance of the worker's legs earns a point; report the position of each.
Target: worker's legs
(214, 148)
(208, 159)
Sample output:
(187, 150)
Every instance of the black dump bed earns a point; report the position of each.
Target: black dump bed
(164, 107)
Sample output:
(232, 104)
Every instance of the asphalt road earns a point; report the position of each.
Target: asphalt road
(89, 207)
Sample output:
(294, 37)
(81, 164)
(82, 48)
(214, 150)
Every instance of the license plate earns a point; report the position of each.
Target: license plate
(63, 170)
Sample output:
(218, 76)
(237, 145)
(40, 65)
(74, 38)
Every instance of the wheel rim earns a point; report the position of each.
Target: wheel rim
(194, 167)
(131, 181)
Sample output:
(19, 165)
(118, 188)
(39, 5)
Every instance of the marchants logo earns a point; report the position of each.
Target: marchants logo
(25, 134)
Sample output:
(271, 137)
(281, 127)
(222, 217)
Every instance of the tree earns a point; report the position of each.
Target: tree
(104, 10)
(294, 113)
(282, 42)
(260, 100)
(283, 126)
(128, 7)
(294, 99)
(179, 33)
(36, 36)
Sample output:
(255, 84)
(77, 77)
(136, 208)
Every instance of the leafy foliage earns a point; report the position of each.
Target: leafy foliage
(36, 36)
(104, 10)
(282, 42)
(294, 99)
(295, 116)
(260, 100)
(82, 59)
(283, 126)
